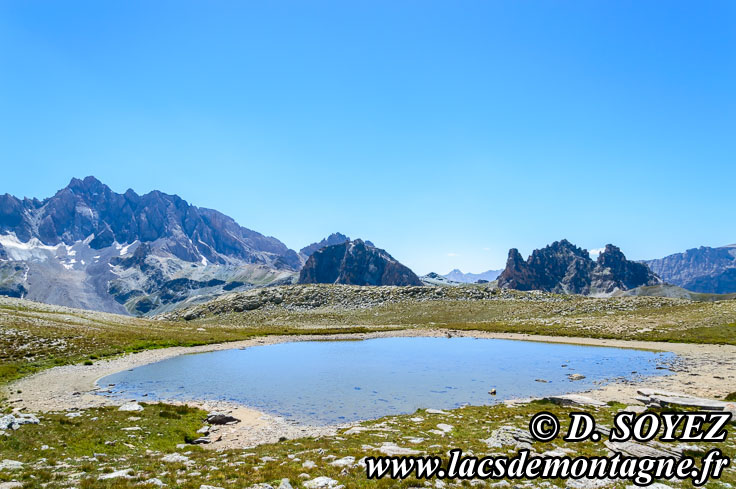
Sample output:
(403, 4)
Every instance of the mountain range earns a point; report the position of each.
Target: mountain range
(471, 278)
(90, 247)
(704, 269)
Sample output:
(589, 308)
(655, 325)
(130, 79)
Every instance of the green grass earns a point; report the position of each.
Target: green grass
(80, 449)
(626, 318)
(84, 448)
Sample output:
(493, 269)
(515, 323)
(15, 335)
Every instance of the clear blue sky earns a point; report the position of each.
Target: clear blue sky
(445, 132)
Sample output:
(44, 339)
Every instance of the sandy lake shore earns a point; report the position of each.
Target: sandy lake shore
(702, 370)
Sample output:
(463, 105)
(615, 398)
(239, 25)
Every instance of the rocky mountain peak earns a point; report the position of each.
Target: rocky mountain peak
(355, 263)
(88, 246)
(563, 267)
(332, 239)
(88, 208)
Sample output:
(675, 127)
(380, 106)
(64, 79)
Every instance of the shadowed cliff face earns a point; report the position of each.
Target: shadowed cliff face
(355, 263)
(564, 268)
(704, 269)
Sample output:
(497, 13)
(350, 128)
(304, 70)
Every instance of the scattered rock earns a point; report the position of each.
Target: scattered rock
(574, 400)
(509, 435)
(446, 428)
(588, 483)
(175, 458)
(154, 482)
(15, 421)
(390, 448)
(640, 450)
(343, 462)
(123, 473)
(576, 376)
(11, 485)
(664, 399)
(10, 465)
(635, 409)
(221, 418)
(131, 407)
(321, 483)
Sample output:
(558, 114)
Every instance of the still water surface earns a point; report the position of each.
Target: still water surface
(328, 382)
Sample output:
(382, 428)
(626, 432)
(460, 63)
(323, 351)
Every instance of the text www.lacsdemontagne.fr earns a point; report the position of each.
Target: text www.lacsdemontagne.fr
(640, 470)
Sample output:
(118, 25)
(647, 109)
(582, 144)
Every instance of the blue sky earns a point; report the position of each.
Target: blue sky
(445, 132)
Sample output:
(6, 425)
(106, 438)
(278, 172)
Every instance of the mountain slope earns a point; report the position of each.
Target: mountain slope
(355, 263)
(470, 278)
(707, 270)
(71, 249)
(674, 292)
(564, 268)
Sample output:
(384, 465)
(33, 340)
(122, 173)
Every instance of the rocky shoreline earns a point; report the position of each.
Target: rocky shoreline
(701, 371)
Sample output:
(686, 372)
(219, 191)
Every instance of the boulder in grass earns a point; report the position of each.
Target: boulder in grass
(176, 458)
(124, 474)
(321, 483)
(131, 407)
(574, 400)
(10, 465)
(679, 400)
(15, 421)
